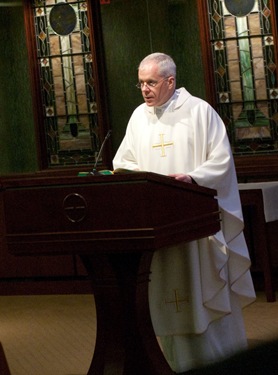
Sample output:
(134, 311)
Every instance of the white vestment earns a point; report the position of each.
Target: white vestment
(197, 289)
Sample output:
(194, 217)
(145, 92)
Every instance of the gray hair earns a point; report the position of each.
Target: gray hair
(166, 65)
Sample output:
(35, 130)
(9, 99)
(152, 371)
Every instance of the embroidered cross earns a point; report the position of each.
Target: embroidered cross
(177, 300)
(163, 144)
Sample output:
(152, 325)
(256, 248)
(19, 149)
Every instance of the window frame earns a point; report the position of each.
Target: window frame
(94, 21)
(249, 167)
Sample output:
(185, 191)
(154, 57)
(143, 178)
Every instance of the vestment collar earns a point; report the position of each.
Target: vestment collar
(177, 99)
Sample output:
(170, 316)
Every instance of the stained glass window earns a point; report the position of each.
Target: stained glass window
(242, 46)
(66, 66)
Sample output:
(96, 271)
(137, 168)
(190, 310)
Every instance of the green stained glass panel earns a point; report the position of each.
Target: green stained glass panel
(64, 57)
(245, 73)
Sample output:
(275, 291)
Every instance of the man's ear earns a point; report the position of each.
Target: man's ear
(171, 81)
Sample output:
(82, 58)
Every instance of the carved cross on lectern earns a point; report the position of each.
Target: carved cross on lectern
(163, 144)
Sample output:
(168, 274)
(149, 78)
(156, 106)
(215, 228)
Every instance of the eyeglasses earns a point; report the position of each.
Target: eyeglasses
(150, 84)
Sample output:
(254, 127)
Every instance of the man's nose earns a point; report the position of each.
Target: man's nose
(144, 86)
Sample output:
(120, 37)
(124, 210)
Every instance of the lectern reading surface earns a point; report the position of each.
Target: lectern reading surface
(114, 223)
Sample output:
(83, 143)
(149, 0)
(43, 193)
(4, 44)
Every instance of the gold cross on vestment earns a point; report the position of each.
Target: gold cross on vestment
(163, 144)
(177, 300)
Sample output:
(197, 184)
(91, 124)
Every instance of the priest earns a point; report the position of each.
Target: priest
(197, 290)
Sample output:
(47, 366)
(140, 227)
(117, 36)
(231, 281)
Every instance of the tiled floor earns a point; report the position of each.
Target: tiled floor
(54, 335)
(261, 320)
(48, 335)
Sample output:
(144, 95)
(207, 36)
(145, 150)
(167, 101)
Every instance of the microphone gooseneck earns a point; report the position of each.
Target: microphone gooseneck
(94, 171)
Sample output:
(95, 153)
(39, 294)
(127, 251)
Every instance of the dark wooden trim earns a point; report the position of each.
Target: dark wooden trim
(257, 168)
(35, 84)
(252, 199)
(43, 286)
(94, 17)
(274, 20)
(207, 59)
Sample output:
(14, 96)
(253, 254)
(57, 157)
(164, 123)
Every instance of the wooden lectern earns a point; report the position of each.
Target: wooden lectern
(114, 223)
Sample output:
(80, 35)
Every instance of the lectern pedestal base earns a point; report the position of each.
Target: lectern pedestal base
(126, 342)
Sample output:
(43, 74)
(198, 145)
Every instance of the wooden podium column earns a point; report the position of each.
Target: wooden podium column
(4, 368)
(126, 342)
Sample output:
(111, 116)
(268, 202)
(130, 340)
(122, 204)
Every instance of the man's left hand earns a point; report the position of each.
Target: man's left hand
(182, 177)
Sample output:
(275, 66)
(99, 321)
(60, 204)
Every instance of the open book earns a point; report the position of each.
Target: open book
(107, 172)
(124, 171)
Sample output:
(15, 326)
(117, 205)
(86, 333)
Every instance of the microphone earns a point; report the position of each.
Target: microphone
(94, 171)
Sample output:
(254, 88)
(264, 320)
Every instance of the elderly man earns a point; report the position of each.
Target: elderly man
(176, 134)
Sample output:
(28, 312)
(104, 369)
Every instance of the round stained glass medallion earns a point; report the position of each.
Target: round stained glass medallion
(62, 19)
(239, 8)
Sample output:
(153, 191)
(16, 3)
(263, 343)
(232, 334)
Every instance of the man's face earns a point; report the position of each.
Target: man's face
(156, 90)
